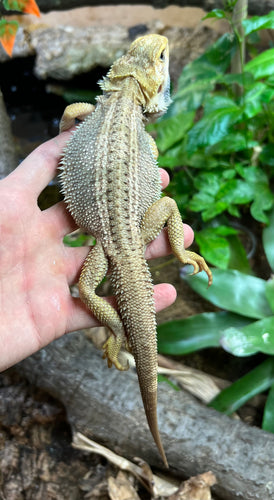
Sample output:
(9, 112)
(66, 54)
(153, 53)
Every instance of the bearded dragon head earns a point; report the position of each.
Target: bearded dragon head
(147, 62)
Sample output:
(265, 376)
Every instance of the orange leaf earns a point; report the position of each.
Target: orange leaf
(26, 6)
(8, 31)
(31, 7)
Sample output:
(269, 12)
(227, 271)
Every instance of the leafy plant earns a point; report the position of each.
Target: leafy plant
(219, 142)
(244, 326)
(8, 29)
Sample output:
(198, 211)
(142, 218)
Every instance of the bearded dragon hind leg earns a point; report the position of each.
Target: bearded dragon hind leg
(164, 211)
(93, 271)
(112, 349)
(79, 110)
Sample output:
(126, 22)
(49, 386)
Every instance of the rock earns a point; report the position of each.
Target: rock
(62, 52)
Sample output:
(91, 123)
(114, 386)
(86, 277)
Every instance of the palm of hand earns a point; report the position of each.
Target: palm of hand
(36, 268)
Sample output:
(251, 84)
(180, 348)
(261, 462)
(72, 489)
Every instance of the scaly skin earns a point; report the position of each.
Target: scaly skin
(111, 185)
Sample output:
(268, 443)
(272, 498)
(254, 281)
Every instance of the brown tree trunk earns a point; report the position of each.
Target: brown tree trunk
(106, 405)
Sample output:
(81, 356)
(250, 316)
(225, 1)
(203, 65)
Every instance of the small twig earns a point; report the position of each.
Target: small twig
(154, 484)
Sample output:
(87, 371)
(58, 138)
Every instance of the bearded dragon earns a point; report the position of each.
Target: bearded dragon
(111, 184)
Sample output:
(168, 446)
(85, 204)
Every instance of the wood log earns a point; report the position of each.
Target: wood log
(106, 405)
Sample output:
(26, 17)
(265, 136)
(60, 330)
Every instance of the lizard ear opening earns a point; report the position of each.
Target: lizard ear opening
(162, 55)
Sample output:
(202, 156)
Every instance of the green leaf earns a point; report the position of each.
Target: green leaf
(163, 378)
(218, 207)
(244, 79)
(253, 338)
(267, 155)
(262, 65)
(269, 292)
(202, 160)
(198, 77)
(222, 247)
(209, 182)
(76, 95)
(201, 201)
(270, 80)
(175, 156)
(253, 175)
(268, 417)
(213, 247)
(172, 130)
(256, 381)
(262, 203)
(238, 258)
(217, 13)
(252, 102)
(78, 241)
(213, 127)
(197, 332)
(199, 70)
(236, 191)
(231, 143)
(234, 291)
(216, 102)
(255, 98)
(191, 96)
(220, 53)
(268, 240)
(258, 23)
(257, 181)
(7, 4)
(209, 65)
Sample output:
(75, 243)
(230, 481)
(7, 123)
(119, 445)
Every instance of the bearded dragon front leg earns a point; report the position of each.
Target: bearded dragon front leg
(79, 110)
(94, 270)
(165, 211)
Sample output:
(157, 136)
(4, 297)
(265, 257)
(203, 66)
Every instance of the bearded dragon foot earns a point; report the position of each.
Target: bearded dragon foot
(197, 262)
(112, 349)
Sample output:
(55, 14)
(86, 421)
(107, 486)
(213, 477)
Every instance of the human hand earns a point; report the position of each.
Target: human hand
(36, 269)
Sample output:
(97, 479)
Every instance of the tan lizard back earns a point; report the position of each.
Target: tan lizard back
(117, 177)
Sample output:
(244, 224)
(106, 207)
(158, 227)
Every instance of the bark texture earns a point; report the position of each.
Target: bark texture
(106, 405)
(254, 8)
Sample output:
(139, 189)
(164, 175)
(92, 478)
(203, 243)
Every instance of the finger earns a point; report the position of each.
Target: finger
(59, 217)
(164, 178)
(75, 258)
(80, 317)
(40, 167)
